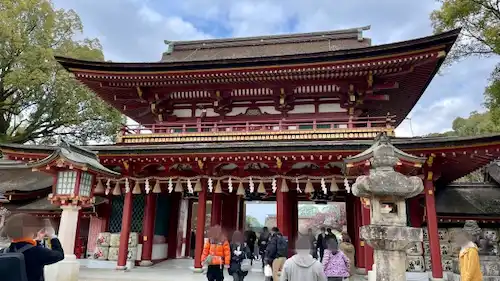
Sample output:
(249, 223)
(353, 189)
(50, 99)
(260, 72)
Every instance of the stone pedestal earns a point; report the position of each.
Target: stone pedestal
(390, 244)
(69, 268)
(65, 270)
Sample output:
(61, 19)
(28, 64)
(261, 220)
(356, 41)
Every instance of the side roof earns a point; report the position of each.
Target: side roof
(262, 46)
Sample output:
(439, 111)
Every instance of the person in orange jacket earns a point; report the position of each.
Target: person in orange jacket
(470, 269)
(216, 254)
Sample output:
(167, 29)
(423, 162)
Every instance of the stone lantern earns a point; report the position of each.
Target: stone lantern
(386, 191)
(75, 171)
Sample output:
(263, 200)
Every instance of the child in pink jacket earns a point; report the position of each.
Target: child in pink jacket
(336, 264)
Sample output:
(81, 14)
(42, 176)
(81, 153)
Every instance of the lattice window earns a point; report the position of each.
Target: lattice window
(66, 182)
(138, 213)
(115, 221)
(85, 184)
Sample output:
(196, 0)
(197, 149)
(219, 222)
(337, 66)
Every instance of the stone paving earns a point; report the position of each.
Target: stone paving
(166, 271)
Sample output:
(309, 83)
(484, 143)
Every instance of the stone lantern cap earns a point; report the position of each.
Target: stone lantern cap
(383, 180)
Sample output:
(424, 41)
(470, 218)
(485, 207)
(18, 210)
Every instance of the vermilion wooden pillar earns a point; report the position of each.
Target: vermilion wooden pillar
(216, 214)
(148, 228)
(350, 216)
(432, 227)
(187, 239)
(200, 225)
(125, 232)
(173, 224)
(365, 218)
(294, 222)
(241, 213)
(283, 211)
(360, 249)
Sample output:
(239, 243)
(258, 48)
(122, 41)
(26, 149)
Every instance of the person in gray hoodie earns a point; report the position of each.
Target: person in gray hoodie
(302, 266)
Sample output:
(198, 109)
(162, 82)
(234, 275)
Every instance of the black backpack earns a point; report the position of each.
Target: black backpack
(12, 265)
(282, 247)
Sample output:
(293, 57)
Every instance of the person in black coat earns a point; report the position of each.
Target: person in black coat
(321, 243)
(239, 252)
(21, 228)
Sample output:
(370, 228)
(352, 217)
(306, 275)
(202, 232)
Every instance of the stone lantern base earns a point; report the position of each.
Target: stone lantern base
(390, 244)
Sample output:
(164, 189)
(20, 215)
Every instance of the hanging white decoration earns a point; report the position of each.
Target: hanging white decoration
(230, 185)
(323, 186)
(298, 185)
(347, 186)
(170, 185)
(190, 187)
(273, 184)
(108, 186)
(146, 186)
(250, 185)
(210, 185)
(127, 186)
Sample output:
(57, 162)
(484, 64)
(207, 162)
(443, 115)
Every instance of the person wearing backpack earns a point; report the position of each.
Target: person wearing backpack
(216, 254)
(25, 258)
(276, 252)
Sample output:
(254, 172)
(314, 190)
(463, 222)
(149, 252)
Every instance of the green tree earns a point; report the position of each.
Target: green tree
(480, 23)
(476, 124)
(253, 221)
(39, 100)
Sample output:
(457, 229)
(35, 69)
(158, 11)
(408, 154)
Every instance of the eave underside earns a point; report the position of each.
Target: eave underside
(454, 157)
(133, 88)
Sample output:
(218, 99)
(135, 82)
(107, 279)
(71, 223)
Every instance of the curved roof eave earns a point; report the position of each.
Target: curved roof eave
(446, 40)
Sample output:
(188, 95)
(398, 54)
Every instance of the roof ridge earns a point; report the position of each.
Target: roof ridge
(279, 37)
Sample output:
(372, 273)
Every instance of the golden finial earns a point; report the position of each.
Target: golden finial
(279, 163)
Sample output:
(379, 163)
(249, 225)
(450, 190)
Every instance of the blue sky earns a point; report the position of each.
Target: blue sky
(134, 30)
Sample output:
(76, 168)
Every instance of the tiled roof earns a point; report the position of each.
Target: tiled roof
(267, 46)
(470, 199)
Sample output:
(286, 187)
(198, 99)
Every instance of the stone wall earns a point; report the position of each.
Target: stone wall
(450, 251)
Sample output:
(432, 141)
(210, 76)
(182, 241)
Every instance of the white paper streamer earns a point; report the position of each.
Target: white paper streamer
(146, 186)
(298, 185)
(170, 185)
(230, 185)
(273, 183)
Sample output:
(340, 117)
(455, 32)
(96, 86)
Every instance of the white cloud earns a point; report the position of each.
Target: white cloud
(134, 30)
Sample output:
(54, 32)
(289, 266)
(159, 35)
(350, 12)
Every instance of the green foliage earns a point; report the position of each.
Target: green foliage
(476, 124)
(253, 222)
(39, 100)
(480, 23)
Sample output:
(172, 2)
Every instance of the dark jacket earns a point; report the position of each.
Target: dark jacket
(38, 257)
(235, 264)
(321, 241)
(263, 241)
(272, 248)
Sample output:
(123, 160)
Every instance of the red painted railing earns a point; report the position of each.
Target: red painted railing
(260, 125)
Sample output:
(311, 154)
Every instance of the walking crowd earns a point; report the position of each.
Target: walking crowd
(335, 261)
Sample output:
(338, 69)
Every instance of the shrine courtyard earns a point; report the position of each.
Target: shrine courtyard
(171, 270)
